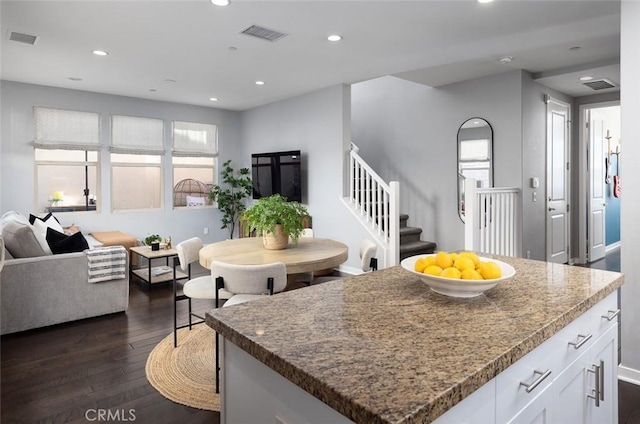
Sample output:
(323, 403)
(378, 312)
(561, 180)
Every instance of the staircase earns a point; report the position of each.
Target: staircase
(410, 240)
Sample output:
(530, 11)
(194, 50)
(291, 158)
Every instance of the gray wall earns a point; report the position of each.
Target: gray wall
(318, 125)
(17, 172)
(407, 132)
(630, 200)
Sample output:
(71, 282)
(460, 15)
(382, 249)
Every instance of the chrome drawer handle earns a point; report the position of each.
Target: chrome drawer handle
(611, 315)
(531, 386)
(598, 391)
(579, 343)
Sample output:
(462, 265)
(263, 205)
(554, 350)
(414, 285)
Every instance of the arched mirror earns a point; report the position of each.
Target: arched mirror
(475, 156)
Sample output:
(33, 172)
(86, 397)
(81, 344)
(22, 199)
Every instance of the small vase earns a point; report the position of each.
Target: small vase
(275, 241)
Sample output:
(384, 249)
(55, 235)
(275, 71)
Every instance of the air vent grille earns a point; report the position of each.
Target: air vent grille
(599, 84)
(263, 33)
(23, 38)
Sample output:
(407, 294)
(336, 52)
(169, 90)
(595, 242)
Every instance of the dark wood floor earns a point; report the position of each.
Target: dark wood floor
(66, 372)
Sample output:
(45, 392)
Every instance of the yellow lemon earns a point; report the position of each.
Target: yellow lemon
(451, 272)
(430, 260)
(490, 270)
(453, 256)
(443, 260)
(464, 262)
(474, 257)
(420, 264)
(432, 270)
(471, 274)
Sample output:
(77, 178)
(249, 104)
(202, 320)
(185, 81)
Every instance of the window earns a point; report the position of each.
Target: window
(67, 145)
(136, 162)
(194, 159)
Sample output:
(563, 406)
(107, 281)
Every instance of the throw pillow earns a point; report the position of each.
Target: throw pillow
(62, 243)
(20, 238)
(41, 224)
(32, 218)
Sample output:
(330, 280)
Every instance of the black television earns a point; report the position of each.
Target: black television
(277, 173)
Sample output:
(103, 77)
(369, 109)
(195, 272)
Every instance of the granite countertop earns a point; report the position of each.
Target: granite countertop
(383, 348)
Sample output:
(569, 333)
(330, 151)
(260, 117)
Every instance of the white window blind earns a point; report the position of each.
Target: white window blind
(66, 129)
(135, 135)
(193, 139)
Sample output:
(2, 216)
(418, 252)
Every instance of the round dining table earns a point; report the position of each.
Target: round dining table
(308, 254)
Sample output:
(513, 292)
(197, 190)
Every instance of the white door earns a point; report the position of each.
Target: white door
(558, 136)
(597, 173)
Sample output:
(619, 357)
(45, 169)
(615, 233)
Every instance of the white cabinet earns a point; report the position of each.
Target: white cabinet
(604, 355)
(559, 381)
(538, 411)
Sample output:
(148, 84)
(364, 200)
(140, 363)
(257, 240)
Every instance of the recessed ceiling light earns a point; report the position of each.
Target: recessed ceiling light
(574, 48)
(75, 78)
(586, 78)
(170, 80)
(100, 53)
(505, 59)
(334, 37)
(153, 90)
(259, 82)
(213, 99)
(485, 1)
(220, 2)
(233, 48)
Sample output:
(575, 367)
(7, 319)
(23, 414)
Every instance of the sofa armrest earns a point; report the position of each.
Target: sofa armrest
(46, 290)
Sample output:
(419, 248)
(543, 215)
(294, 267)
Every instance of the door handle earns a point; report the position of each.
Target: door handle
(552, 209)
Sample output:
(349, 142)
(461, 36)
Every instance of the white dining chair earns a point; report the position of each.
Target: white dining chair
(368, 260)
(245, 283)
(193, 288)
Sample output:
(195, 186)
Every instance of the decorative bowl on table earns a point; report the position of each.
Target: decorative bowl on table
(456, 287)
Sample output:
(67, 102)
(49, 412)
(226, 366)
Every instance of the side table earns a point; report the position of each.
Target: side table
(155, 274)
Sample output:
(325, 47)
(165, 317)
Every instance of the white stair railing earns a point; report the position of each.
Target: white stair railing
(492, 219)
(376, 204)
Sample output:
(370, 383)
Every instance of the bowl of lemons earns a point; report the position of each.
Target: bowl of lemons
(458, 274)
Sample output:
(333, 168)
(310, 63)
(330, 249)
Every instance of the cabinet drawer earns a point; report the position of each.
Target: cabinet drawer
(605, 314)
(574, 339)
(536, 369)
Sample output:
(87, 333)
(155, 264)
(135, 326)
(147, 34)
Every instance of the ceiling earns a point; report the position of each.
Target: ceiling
(190, 51)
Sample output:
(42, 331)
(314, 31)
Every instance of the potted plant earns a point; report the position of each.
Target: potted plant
(230, 200)
(153, 241)
(277, 220)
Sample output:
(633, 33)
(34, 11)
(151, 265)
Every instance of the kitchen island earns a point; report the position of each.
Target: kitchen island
(383, 348)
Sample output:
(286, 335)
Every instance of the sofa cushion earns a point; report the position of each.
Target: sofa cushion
(62, 243)
(20, 238)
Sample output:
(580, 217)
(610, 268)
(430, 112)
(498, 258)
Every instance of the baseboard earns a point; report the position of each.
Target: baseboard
(349, 270)
(612, 246)
(629, 375)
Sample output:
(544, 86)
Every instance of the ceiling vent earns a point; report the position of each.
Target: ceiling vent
(599, 84)
(22, 38)
(263, 33)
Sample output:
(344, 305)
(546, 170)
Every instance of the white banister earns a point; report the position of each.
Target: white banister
(491, 219)
(377, 205)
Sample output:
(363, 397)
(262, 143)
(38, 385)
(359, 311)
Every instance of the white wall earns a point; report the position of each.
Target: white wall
(17, 169)
(630, 199)
(317, 124)
(407, 132)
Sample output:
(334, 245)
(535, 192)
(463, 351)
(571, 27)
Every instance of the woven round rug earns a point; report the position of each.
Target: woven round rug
(186, 374)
